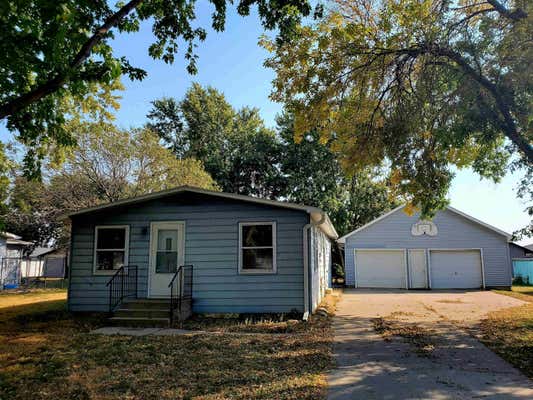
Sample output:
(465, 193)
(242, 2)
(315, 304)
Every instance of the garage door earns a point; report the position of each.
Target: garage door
(380, 269)
(455, 269)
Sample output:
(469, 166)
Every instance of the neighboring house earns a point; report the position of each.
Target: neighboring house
(11, 251)
(518, 251)
(12, 246)
(522, 261)
(453, 251)
(249, 255)
(46, 262)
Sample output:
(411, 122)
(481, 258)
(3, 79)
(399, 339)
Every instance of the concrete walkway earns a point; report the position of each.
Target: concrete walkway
(127, 331)
(459, 367)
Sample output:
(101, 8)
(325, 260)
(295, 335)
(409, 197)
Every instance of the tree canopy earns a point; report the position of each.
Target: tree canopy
(57, 54)
(245, 157)
(418, 85)
(235, 147)
(107, 164)
(313, 176)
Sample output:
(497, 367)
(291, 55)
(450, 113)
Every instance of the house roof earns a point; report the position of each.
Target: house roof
(317, 215)
(8, 235)
(456, 211)
(41, 251)
(18, 242)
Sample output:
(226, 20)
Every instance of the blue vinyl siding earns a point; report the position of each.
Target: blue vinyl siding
(211, 245)
(454, 231)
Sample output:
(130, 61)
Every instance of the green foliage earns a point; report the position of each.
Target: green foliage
(236, 148)
(108, 164)
(244, 157)
(57, 55)
(314, 177)
(419, 85)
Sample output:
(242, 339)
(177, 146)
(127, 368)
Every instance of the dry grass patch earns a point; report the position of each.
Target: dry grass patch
(9, 298)
(509, 332)
(524, 293)
(420, 338)
(51, 354)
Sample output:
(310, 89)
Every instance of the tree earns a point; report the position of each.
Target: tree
(236, 148)
(315, 177)
(420, 85)
(107, 165)
(63, 49)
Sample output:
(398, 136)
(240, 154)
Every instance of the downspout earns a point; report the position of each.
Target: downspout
(306, 229)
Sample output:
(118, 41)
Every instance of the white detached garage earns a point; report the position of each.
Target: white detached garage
(453, 251)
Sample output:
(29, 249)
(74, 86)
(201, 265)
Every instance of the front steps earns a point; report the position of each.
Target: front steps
(148, 313)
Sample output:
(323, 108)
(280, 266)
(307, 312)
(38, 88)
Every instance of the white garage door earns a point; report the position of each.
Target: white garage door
(380, 269)
(455, 269)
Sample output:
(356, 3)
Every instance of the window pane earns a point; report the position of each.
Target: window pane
(256, 235)
(257, 259)
(109, 260)
(167, 240)
(166, 262)
(113, 238)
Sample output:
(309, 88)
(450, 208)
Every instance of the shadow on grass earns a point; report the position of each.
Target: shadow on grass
(47, 352)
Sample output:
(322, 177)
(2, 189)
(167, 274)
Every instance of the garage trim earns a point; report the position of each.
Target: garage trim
(456, 249)
(386, 249)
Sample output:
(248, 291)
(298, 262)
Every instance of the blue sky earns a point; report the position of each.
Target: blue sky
(232, 62)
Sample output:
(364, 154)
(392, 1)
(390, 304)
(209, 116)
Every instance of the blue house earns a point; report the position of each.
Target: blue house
(227, 253)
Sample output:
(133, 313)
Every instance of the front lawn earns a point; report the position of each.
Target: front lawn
(47, 353)
(509, 332)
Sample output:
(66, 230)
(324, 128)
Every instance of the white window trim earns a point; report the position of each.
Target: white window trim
(273, 247)
(125, 249)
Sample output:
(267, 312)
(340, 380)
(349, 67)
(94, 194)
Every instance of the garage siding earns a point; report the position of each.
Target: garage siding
(454, 232)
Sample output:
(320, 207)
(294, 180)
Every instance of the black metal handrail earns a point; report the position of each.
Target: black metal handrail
(123, 284)
(180, 289)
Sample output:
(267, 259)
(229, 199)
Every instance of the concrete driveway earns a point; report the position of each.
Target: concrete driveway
(456, 366)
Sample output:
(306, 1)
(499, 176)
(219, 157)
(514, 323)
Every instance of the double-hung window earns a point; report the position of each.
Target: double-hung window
(111, 248)
(257, 247)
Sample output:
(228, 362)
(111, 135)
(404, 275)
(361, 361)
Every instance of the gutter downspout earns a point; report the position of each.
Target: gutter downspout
(306, 229)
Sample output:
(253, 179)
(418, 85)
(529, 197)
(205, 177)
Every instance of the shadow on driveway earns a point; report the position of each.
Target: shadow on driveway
(459, 367)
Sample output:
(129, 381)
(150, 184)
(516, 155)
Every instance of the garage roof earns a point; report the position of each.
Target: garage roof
(464, 215)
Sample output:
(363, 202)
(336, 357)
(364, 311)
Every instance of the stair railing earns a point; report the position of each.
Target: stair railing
(180, 290)
(123, 284)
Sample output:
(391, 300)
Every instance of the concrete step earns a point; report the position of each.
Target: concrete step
(139, 321)
(142, 312)
(145, 304)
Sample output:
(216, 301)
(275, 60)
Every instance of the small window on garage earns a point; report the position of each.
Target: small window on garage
(111, 249)
(257, 247)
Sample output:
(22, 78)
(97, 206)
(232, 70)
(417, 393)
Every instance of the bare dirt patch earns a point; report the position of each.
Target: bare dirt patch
(422, 339)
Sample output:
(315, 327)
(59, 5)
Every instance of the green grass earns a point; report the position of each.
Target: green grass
(509, 332)
(45, 353)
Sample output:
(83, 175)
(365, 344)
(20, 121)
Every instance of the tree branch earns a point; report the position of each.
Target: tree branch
(53, 84)
(510, 126)
(515, 15)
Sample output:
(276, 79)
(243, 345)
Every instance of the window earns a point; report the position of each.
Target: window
(167, 251)
(111, 250)
(257, 247)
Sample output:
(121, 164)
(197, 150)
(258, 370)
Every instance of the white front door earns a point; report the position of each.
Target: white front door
(417, 269)
(167, 253)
